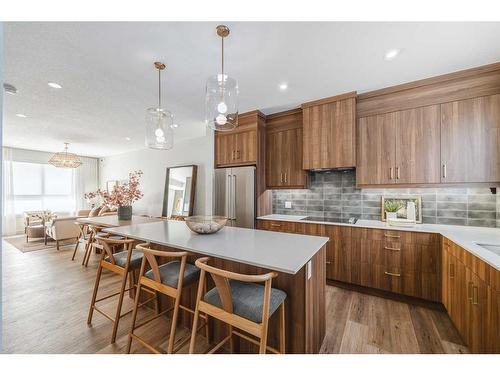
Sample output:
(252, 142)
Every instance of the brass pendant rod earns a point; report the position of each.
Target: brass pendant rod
(222, 38)
(159, 88)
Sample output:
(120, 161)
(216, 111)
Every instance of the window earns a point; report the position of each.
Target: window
(42, 187)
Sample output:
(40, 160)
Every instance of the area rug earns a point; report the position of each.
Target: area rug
(19, 242)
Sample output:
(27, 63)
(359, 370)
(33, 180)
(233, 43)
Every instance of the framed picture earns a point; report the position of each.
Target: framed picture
(110, 185)
(403, 201)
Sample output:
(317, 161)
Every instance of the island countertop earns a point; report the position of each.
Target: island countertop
(280, 252)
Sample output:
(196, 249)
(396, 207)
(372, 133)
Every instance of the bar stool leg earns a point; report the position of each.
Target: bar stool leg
(201, 284)
(171, 339)
(134, 318)
(88, 246)
(94, 295)
(119, 307)
(282, 328)
(231, 341)
(76, 246)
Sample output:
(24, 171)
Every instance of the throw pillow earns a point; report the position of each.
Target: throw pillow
(95, 211)
(103, 210)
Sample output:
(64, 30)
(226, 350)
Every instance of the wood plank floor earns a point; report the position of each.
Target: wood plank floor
(45, 301)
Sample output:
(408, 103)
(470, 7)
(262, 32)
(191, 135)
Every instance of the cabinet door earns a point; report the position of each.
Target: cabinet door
(339, 253)
(329, 134)
(246, 147)
(470, 140)
(458, 297)
(225, 149)
(376, 150)
(445, 276)
(418, 146)
(492, 328)
(274, 159)
(477, 313)
(294, 175)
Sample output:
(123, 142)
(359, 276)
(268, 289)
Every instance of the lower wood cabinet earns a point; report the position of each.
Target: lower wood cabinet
(471, 298)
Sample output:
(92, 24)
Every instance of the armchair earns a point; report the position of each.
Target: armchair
(62, 228)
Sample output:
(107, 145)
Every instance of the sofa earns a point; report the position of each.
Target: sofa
(65, 228)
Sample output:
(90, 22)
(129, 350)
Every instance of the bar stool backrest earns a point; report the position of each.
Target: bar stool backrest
(221, 279)
(107, 242)
(150, 256)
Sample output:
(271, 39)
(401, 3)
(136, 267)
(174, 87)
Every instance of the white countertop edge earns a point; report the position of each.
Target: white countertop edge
(461, 235)
(116, 230)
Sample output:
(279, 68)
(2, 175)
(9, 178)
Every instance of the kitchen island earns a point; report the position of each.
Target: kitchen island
(299, 261)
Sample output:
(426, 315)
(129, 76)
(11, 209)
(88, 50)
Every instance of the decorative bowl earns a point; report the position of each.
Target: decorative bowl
(205, 224)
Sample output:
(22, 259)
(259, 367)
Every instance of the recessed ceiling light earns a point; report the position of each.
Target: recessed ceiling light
(54, 85)
(128, 138)
(20, 115)
(283, 86)
(392, 54)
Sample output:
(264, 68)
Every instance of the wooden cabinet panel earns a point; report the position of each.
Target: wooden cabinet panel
(284, 151)
(376, 150)
(277, 226)
(339, 250)
(492, 329)
(246, 147)
(225, 149)
(445, 275)
(458, 298)
(470, 140)
(418, 146)
(329, 132)
(477, 312)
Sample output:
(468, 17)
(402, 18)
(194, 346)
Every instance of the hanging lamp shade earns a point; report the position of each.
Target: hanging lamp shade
(65, 159)
(221, 95)
(159, 121)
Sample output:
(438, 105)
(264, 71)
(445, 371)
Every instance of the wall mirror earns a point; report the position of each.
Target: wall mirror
(180, 188)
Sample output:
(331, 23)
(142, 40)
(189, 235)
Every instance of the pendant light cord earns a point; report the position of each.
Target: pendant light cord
(159, 88)
(222, 38)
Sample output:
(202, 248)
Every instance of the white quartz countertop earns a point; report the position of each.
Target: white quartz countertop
(282, 252)
(466, 237)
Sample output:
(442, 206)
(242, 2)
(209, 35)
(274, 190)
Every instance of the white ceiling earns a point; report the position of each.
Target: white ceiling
(108, 78)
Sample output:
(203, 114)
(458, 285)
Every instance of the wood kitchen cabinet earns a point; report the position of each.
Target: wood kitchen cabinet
(470, 140)
(400, 147)
(338, 253)
(240, 146)
(329, 132)
(284, 151)
(470, 296)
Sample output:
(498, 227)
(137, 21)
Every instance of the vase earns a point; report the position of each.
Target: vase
(391, 215)
(125, 213)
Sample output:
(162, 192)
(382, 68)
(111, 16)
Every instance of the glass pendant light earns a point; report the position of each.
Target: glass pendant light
(159, 121)
(221, 96)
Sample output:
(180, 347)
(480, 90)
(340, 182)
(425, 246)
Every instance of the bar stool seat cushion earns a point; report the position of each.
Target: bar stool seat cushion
(135, 259)
(169, 274)
(248, 299)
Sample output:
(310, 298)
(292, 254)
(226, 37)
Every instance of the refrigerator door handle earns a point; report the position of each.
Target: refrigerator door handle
(233, 193)
(227, 212)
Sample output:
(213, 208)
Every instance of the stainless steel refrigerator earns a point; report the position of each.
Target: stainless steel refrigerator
(234, 195)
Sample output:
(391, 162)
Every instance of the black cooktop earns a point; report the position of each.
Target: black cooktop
(331, 220)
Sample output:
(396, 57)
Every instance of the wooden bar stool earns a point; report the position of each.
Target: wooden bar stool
(122, 263)
(169, 279)
(243, 304)
(94, 244)
(82, 238)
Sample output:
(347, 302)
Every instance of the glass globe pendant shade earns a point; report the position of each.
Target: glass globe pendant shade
(159, 132)
(221, 103)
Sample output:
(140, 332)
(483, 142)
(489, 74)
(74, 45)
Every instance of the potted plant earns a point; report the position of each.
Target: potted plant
(123, 195)
(391, 209)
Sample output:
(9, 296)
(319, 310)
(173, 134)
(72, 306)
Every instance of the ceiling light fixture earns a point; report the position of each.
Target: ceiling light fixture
(283, 86)
(65, 159)
(392, 54)
(9, 89)
(159, 132)
(221, 95)
(20, 115)
(54, 85)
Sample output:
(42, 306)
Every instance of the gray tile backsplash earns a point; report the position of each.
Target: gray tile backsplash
(334, 194)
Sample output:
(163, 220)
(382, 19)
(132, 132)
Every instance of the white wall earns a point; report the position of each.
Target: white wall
(154, 164)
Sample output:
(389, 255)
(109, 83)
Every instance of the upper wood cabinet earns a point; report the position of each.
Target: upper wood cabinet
(329, 132)
(239, 146)
(470, 140)
(284, 151)
(400, 147)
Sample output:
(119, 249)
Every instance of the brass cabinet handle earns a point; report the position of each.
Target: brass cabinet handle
(392, 274)
(391, 236)
(281, 177)
(328, 262)
(397, 173)
(391, 248)
(285, 178)
(452, 271)
(276, 225)
(391, 173)
(475, 295)
(232, 155)
(238, 153)
(469, 291)
(444, 170)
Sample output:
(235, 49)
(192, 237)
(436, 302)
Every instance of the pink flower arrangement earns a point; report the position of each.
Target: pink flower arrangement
(125, 194)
